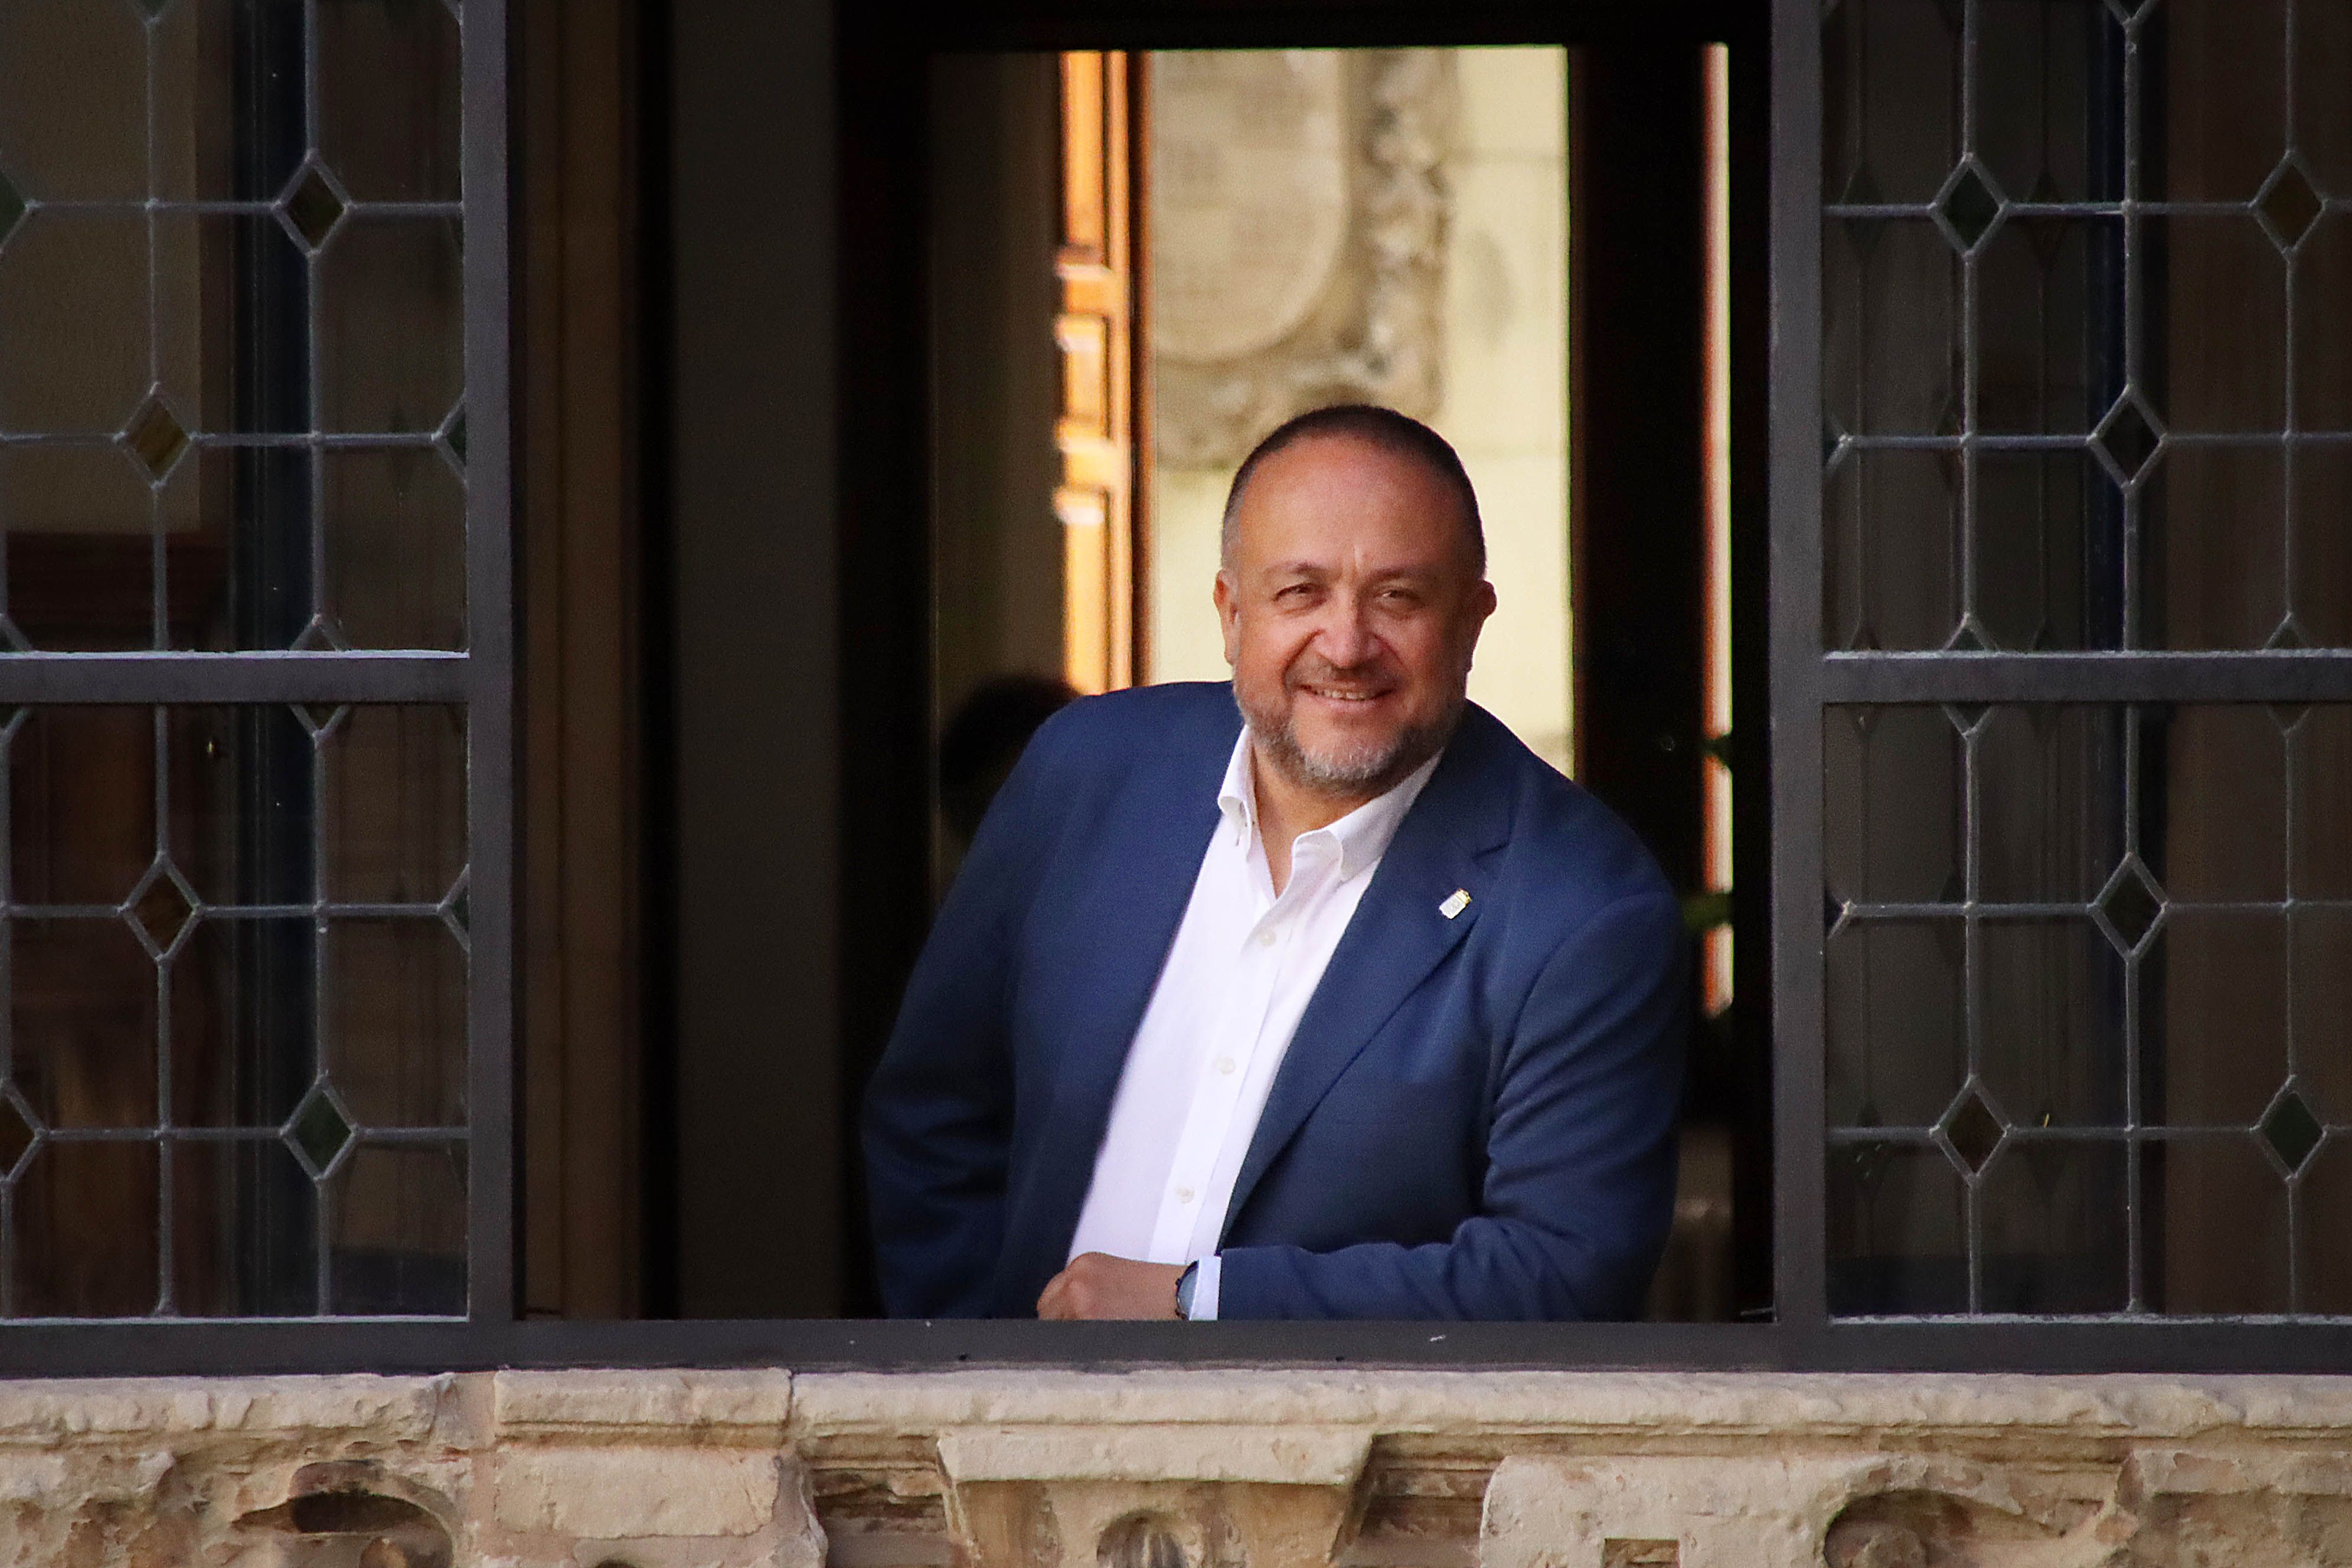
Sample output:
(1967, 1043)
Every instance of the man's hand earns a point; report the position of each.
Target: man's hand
(1097, 1285)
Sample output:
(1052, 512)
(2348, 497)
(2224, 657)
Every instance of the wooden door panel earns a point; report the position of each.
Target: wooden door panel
(1096, 500)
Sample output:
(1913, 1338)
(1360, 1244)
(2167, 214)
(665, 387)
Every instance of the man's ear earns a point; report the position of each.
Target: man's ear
(1228, 614)
(1481, 606)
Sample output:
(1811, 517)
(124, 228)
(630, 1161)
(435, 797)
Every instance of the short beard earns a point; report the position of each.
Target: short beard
(1368, 772)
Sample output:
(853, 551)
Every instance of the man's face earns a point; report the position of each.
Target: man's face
(1351, 605)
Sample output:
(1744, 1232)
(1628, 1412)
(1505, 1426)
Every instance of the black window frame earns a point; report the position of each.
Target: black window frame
(1777, 94)
(481, 680)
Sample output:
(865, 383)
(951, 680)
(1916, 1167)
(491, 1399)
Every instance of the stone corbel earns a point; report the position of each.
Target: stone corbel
(653, 1469)
(1162, 1496)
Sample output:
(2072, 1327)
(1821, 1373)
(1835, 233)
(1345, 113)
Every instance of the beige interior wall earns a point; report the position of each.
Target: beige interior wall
(1504, 406)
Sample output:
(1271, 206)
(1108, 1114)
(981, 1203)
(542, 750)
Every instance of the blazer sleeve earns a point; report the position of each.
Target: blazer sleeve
(1579, 1183)
(939, 1109)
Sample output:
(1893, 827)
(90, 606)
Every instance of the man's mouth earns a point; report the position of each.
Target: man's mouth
(1344, 693)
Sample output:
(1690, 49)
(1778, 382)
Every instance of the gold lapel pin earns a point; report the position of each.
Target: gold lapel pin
(1455, 905)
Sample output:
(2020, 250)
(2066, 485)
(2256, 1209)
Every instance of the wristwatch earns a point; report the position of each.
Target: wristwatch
(1184, 1283)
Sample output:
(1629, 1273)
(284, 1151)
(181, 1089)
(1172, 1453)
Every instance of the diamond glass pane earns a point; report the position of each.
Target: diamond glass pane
(1973, 1131)
(2288, 204)
(1968, 207)
(244, 909)
(2137, 984)
(312, 207)
(2291, 1130)
(318, 1133)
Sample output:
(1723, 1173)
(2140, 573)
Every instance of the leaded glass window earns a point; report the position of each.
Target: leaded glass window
(2085, 289)
(239, 892)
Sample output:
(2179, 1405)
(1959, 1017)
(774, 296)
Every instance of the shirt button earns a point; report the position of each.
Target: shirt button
(1265, 937)
(1225, 1064)
(1183, 1194)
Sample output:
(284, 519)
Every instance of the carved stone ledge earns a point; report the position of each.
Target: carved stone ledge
(1167, 1496)
(1557, 1470)
(1200, 1469)
(730, 1408)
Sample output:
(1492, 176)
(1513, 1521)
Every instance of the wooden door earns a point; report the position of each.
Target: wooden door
(1099, 431)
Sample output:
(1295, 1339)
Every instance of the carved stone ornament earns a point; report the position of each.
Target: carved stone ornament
(1037, 1467)
(1299, 211)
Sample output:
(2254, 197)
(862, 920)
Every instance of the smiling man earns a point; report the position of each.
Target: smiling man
(1315, 996)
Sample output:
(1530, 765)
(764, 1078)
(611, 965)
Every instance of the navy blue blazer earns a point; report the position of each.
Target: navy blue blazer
(1475, 1117)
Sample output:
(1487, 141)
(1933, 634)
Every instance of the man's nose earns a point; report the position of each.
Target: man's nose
(1345, 639)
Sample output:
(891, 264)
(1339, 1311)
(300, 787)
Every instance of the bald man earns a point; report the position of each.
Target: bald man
(1315, 995)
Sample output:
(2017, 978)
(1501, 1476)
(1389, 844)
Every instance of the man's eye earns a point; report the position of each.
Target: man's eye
(1295, 592)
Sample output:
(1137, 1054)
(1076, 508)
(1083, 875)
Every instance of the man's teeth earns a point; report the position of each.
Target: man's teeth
(1343, 696)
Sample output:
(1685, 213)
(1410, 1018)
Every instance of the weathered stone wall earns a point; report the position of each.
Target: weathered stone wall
(1211, 1469)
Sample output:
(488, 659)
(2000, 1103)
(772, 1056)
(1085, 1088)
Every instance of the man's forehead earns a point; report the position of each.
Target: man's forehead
(1339, 458)
(1415, 567)
(1343, 495)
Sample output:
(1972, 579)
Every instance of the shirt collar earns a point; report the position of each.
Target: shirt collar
(1362, 836)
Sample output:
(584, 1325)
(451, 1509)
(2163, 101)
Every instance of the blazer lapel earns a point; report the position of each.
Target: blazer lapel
(1399, 934)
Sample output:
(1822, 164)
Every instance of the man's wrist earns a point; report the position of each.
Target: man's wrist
(1185, 1284)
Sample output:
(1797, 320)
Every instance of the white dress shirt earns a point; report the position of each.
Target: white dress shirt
(1238, 975)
